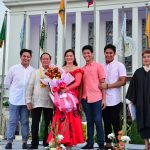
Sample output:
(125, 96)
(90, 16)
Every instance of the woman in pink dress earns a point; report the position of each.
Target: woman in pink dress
(69, 123)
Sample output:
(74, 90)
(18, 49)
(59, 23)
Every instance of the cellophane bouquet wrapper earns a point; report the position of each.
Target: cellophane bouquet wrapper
(64, 101)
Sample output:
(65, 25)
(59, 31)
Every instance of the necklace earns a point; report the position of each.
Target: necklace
(69, 68)
(41, 77)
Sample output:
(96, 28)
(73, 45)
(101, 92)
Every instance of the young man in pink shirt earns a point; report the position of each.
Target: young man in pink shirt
(93, 99)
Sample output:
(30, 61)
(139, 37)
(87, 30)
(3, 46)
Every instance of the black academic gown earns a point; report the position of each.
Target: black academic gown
(139, 93)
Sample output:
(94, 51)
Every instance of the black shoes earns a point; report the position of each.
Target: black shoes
(24, 146)
(90, 146)
(102, 148)
(108, 146)
(32, 147)
(8, 146)
(87, 146)
(45, 144)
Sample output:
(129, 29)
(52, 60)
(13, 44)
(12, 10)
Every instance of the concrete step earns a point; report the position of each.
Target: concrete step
(17, 145)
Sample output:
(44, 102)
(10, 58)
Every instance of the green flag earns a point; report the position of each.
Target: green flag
(42, 36)
(3, 32)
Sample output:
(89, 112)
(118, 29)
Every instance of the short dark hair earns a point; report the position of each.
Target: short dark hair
(26, 50)
(73, 52)
(89, 47)
(110, 46)
(45, 53)
(145, 52)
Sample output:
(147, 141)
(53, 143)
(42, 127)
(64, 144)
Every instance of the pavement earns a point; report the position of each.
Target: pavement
(17, 144)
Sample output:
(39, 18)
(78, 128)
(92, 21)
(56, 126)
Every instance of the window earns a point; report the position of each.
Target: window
(91, 34)
(128, 60)
(143, 34)
(73, 35)
(109, 32)
(56, 40)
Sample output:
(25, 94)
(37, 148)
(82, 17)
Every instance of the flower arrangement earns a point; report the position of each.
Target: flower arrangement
(53, 73)
(57, 79)
(56, 141)
(119, 143)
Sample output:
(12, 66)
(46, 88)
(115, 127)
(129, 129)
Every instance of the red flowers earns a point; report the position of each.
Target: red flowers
(53, 72)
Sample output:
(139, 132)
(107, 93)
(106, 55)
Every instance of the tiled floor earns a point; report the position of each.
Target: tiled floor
(17, 144)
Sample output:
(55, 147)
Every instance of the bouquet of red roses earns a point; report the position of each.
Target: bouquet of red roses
(53, 73)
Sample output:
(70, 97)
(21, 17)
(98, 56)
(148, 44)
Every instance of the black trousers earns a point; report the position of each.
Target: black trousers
(111, 118)
(36, 115)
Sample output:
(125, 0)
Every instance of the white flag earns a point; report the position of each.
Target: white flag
(123, 28)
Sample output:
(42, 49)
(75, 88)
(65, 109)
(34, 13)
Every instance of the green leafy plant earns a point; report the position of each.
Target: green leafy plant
(134, 135)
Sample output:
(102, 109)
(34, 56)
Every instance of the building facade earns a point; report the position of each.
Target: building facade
(79, 28)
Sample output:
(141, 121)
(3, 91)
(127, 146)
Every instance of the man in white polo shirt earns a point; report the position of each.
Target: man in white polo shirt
(16, 81)
(115, 78)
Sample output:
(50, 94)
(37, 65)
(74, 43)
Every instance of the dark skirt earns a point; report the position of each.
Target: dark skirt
(145, 133)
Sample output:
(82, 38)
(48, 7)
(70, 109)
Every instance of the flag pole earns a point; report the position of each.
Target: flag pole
(39, 53)
(95, 25)
(64, 28)
(124, 88)
(3, 74)
(24, 41)
(145, 24)
(45, 44)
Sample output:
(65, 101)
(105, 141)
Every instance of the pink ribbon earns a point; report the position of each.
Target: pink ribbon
(61, 85)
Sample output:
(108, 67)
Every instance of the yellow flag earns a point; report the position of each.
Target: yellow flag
(1, 43)
(147, 29)
(62, 11)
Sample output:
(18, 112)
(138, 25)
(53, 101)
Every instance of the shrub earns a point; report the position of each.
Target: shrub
(134, 135)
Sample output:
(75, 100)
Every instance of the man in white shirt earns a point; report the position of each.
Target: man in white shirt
(115, 78)
(38, 100)
(16, 81)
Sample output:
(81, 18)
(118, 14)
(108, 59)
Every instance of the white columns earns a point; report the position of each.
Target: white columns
(98, 52)
(115, 26)
(60, 43)
(14, 37)
(78, 50)
(27, 44)
(102, 38)
(135, 31)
